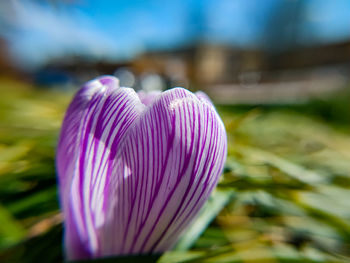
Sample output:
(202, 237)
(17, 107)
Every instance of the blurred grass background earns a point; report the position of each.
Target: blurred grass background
(278, 72)
(287, 177)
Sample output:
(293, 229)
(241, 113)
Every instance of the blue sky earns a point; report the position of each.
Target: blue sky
(120, 29)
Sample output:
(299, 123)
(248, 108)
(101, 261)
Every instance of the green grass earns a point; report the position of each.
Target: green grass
(287, 182)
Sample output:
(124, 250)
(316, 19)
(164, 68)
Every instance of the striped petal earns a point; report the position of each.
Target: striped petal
(137, 173)
(94, 125)
(172, 158)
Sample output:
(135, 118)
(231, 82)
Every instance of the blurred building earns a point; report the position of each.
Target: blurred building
(6, 66)
(228, 74)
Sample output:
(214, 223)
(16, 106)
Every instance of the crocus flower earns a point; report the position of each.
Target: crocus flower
(135, 168)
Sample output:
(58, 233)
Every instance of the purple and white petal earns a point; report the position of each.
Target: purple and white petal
(147, 98)
(174, 154)
(204, 97)
(92, 130)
